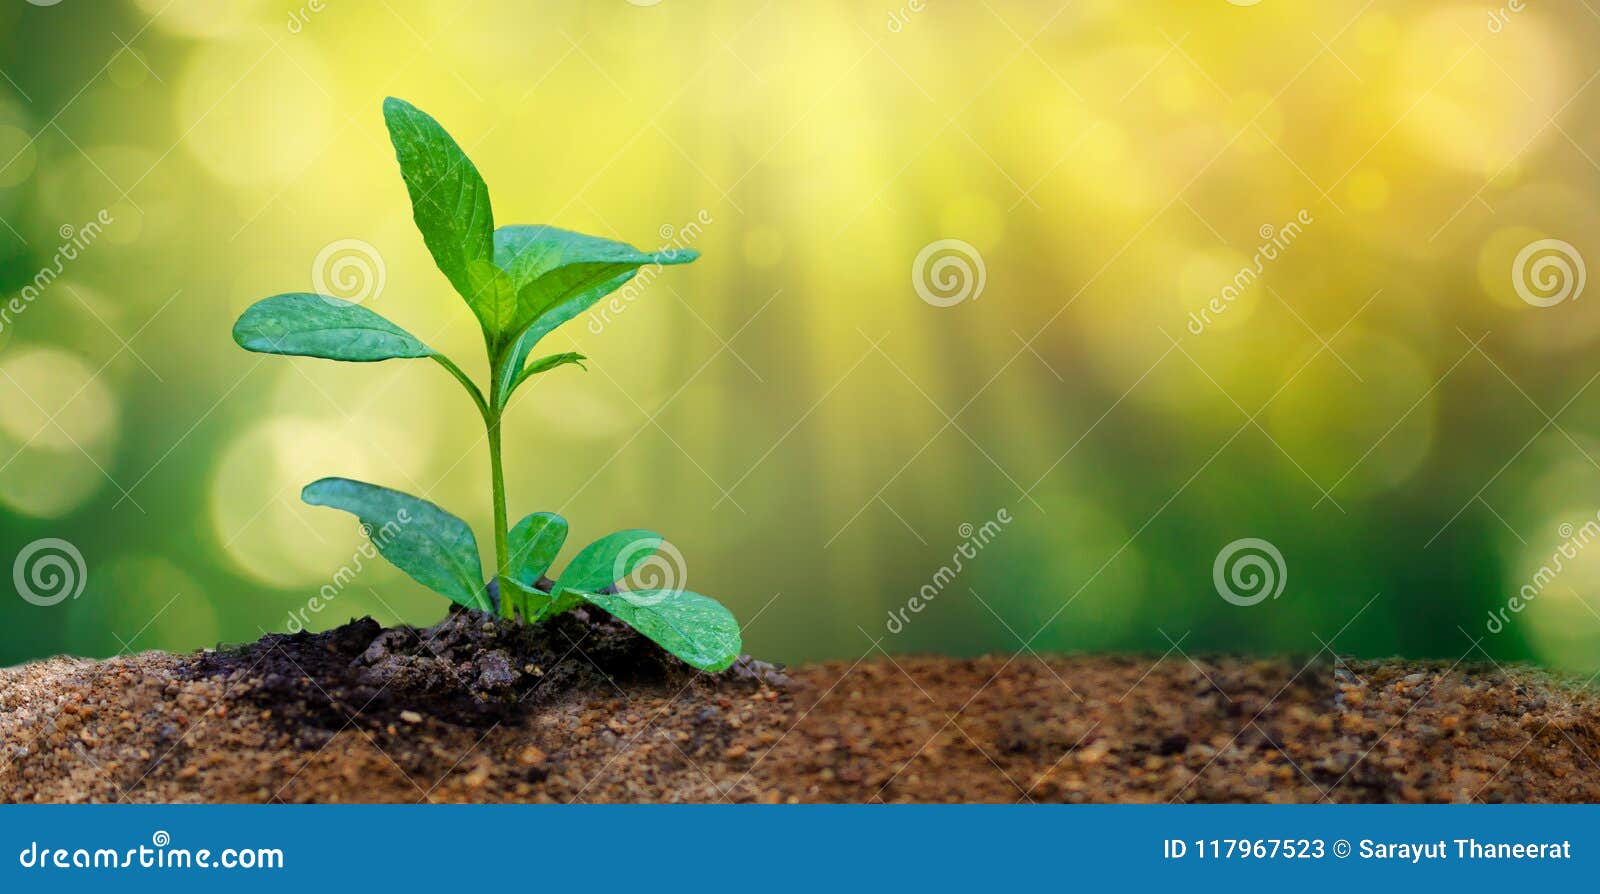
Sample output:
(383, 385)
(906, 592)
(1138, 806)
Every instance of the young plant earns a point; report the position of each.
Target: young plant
(520, 282)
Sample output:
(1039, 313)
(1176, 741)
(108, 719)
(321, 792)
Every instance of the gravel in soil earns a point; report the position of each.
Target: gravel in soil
(583, 709)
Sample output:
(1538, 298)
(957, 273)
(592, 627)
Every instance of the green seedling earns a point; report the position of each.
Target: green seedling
(521, 282)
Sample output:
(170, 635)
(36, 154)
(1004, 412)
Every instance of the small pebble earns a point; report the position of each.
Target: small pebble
(530, 756)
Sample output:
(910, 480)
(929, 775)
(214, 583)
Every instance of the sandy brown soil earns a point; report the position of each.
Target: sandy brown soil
(587, 711)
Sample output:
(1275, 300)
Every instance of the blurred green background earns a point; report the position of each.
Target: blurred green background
(1392, 402)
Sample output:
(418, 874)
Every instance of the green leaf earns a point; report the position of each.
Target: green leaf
(494, 300)
(608, 560)
(545, 364)
(434, 547)
(534, 542)
(696, 628)
(534, 604)
(550, 265)
(559, 274)
(450, 203)
(547, 322)
(308, 325)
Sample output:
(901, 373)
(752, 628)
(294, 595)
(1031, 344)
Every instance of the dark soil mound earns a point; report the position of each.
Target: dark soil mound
(467, 670)
(586, 710)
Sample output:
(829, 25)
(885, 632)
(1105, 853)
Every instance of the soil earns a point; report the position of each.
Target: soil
(583, 709)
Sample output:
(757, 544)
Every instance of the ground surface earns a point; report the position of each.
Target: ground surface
(588, 711)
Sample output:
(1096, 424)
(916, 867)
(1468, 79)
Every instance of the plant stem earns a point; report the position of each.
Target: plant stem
(497, 479)
(467, 383)
(502, 552)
